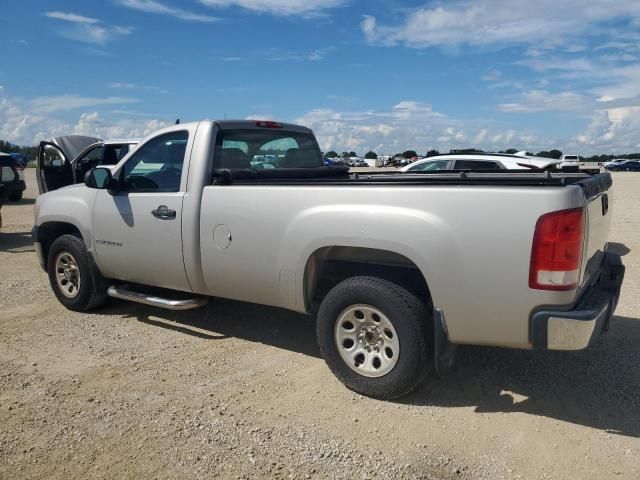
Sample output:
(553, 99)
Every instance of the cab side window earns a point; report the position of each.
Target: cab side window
(157, 165)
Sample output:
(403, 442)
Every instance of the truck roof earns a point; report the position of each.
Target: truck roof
(259, 124)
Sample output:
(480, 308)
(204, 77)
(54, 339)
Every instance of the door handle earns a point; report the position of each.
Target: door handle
(164, 213)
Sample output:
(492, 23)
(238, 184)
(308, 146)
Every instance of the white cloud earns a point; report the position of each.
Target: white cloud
(492, 75)
(544, 101)
(49, 104)
(124, 85)
(260, 116)
(615, 130)
(479, 138)
(408, 124)
(92, 124)
(153, 6)
(134, 86)
(499, 22)
(28, 122)
(72, 17)
(278, 7)
(278, 55)
(87, 29)
(627, 83)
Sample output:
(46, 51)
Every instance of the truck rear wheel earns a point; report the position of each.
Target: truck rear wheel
(375, 336)
(73, 275)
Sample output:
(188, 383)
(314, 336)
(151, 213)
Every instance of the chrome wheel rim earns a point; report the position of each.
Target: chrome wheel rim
(367, 341)
(67, 275)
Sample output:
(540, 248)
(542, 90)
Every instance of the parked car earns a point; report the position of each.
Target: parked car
(570, 161)
(13, 178)
(65, 160)
(481, 161)
(399, 268)
(614, 161)
(628, 166)
(8, 179)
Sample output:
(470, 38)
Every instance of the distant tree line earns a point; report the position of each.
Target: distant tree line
(8, 147)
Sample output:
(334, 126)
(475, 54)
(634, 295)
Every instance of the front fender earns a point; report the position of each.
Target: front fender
(68, 205)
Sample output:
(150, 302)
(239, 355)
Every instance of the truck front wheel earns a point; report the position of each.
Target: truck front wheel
(73, 276)
(375, 336)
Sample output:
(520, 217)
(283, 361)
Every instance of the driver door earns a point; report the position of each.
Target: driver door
(53, 168)
(138, 229)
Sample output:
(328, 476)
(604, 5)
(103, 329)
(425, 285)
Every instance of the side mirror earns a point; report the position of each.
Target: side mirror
(99, 178)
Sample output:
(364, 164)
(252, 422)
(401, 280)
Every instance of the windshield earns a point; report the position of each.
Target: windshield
(267, 149)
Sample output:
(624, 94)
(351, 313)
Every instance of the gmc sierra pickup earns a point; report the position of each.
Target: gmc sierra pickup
(397, 267)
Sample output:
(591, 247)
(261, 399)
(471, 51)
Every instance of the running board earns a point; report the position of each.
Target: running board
(124, 292)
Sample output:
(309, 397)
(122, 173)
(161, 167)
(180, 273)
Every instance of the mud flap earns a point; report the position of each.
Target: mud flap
(444, 352)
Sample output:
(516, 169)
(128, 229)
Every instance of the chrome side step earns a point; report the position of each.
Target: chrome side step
(124, 293)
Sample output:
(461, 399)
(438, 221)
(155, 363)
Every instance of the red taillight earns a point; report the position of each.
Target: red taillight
(556, 254)
(268, 124)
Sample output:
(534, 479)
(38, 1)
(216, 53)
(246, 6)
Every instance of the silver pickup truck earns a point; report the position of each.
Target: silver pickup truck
(398, 267)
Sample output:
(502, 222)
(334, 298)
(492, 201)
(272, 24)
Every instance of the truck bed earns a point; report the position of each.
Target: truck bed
(594, 183)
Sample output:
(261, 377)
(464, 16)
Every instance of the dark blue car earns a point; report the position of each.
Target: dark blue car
(630, 166)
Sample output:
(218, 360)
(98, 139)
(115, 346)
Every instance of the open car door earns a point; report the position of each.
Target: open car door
(55, 161)
(53, 168)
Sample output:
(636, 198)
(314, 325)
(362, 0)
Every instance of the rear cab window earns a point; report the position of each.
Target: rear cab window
(256, 149)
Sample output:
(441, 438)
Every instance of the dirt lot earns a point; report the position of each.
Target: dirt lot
(239, 391)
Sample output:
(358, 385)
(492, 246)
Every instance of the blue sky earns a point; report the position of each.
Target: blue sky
(364, 74)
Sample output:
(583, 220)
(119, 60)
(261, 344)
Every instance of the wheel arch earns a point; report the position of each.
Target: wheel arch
(329, 265)
(49, 231)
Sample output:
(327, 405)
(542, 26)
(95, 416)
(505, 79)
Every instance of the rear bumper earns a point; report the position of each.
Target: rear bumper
(576, 328)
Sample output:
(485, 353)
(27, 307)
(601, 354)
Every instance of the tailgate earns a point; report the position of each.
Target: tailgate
(599, 196)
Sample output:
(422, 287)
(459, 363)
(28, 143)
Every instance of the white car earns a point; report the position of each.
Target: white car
(615, 161)
(482, 161)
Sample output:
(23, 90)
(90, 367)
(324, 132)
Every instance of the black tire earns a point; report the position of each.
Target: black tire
(92, 289)
(411, 320)
(16, 196)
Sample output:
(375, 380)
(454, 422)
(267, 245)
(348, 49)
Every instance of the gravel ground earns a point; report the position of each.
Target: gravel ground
(239, 391)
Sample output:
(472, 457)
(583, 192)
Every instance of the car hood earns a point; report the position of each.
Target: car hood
(73, 145)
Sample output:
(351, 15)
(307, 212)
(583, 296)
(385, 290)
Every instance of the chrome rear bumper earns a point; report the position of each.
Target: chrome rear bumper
(575, 329)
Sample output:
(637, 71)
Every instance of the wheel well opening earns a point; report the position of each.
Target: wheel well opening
(328, 266)
(50, 231)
